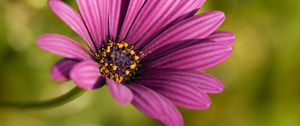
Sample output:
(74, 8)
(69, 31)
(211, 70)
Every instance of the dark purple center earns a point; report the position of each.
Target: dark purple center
(118, 61)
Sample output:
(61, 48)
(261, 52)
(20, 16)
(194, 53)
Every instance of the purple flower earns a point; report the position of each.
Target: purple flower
(148, 52)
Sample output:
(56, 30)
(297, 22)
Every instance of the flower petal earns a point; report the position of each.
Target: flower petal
(179, 92)
(151, 16)
(206, 83)
(170, 48)
(134, 8)
(218, 37)
(73, 19)
(120, 92)
(94, 18)
(198, 57)
(197, 27)
(61, 69)
(156, 106)
(118, 9)
(104, 12)
(222, 37)
(184, 9)
(63, 46)
(87, 75)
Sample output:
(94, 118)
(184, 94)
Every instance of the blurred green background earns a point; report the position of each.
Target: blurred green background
(262, 77)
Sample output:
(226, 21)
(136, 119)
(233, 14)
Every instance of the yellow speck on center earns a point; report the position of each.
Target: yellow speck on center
(114, 68)
(120, 45)
(132, 52)
(127, 72)
(133, 66)
(136, 57)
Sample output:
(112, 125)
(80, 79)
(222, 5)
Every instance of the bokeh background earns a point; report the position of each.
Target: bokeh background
(262, 77)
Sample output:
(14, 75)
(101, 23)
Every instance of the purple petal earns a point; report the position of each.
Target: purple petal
(181, 95)
(87, 75)
(167, 49)
(179, 92)
(222, 37)
(120, 92)
(184, 9)
(73, 19)
(206, 83)
(218, 37)
(151, 17)
(114, 14)
(197, 27)
(117, 13)
(198, 57)
(94, 19)
(132, 12)
(61, 69)
(104, 12)
(63, 46)
(156, 106)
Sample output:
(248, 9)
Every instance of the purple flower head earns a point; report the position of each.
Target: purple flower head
(148, 52)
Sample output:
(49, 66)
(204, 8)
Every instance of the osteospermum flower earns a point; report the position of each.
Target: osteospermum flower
(148, 52)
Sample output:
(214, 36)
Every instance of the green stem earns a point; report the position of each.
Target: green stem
(61, 100)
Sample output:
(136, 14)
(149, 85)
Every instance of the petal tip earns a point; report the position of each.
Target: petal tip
(120, 92)
(91, 80)
(207, 105)
(220, 89)
(39, 40)
(57, 76)
(52, 2)
(215, 13)
(218, 16)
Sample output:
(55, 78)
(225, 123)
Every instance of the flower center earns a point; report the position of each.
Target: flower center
(118, 61)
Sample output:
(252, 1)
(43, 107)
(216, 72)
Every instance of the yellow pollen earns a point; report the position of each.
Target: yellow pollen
(101, 61)
(120, 45)
(136, 57)
(121, 79)
(108, 50)
(126, 45)
(112, 76)
(114, 67)
(106, 64)
(102, 69)
(127, 72)
(106, 71)
(133, 66)
(132, 52)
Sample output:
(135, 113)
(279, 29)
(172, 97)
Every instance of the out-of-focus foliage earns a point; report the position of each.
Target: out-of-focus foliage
(262, 77)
